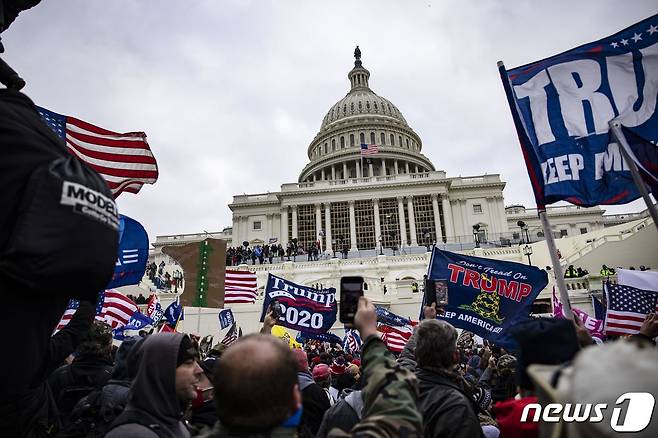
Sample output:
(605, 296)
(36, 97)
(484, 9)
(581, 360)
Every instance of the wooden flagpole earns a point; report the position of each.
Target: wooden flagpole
(626, 152)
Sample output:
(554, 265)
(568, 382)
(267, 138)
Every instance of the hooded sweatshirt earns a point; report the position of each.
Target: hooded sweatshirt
(153, 394)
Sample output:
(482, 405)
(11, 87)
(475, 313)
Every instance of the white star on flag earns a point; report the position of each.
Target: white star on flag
(636, 37)
(624, 42)
(615, 45)
(652, 30)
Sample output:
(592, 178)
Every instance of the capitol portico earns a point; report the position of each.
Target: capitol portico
(393, 200)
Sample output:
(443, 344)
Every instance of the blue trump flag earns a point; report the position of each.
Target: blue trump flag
(485, 296)
(322, 337)
(561, 107)
(133, 253)
(302, 308)
(138, 321)
(226, 318)
(174, 313)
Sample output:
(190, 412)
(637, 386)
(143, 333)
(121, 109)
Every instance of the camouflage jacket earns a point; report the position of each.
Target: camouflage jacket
(389, 394)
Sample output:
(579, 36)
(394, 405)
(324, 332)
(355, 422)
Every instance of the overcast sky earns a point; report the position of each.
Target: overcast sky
(231, 92)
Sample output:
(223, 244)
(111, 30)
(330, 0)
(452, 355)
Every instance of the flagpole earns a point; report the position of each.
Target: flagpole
(557, 268)
(626, 152)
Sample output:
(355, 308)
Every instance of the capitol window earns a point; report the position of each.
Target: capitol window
(477, 208)
(333, 144)
(372, 138)
(400, 140)
(257, 225)
(342, 142)
(362, 137)
(392, 140)
(383, 138)
(325, 148)
(351, 139)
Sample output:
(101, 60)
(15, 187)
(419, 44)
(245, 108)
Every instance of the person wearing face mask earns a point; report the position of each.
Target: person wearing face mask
(167, 380)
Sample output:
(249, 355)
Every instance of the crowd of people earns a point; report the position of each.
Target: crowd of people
(268, 253)
(177, 385)
(162, 279)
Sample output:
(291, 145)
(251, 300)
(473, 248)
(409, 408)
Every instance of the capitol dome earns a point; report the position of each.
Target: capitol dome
(363, 117)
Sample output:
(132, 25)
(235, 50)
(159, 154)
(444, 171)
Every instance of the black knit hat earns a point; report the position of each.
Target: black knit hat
(547, 341)
(186, 351)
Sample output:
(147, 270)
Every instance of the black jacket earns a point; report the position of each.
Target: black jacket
(447, 411)
(315, 403)
(344, 415)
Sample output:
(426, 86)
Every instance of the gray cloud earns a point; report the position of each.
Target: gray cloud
(231, 93)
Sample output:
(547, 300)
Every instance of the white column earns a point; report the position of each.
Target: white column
(318, 220)
(412, 220)
(383, 171)
(501, 214)
(437, 217)
(294, 222)
(416, 168)
(493, 215)
(358, 169)
(327, 225)
(322, 175)
(268, 230)
(352, 227)
(406, 166)
(315, 177)
(467, 226)
(370, 170)
(378, 227)
(447, 216)
(245, 227)
(283, 239)
(333, 172)
(235, 232)
(345, 174)
(403, 227)
(395, 166)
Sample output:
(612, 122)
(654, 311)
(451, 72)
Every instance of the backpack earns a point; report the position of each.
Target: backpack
(132, 417)
(60, 223)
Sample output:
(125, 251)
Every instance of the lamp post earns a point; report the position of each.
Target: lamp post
(527, 250)
(294, 249)
(476, 235)
(381, 245)
(524, 227)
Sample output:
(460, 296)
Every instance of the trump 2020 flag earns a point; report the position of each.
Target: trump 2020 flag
(133, 253)
(226, 318)
(562, 105)
(302, 308)
(485, 296)
(174, 313)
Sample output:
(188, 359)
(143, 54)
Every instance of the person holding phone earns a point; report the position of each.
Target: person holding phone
(257, 390)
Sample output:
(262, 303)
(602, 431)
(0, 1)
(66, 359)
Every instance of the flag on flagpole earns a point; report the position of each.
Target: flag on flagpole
(562, 107)
(351, 341)
(369, 149)
(395, 338)
(71, 308)
(231, 337)
(114, 308)
(154, 309)
(174, 313)
(124, 160)
(240, 287)
(627, 308)
(645, 280)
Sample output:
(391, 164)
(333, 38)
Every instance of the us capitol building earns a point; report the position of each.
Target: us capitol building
(395, 199)
(387, 209)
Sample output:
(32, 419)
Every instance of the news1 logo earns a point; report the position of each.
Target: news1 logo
(638, 412)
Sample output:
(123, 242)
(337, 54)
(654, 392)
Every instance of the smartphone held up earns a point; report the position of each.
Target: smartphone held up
(351, 289)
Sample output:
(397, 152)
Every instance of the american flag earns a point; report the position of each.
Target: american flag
(369, 149)
(627, 308)
(125, 161)
(395, 338)
(240, 287)
(68, 314)
(114, 308)
(232, 335)
(352, 341)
